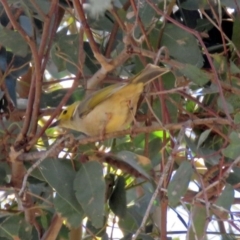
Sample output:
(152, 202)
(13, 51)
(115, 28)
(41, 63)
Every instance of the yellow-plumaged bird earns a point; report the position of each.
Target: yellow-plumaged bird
(110, 109)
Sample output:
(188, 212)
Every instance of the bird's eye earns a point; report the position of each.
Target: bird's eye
(65, 112)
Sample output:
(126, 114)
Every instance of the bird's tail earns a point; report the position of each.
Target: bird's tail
(148, 74)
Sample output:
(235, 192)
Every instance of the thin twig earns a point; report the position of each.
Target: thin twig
(48, 30)
(79, 8)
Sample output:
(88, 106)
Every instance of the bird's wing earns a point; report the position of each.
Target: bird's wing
(98, 97)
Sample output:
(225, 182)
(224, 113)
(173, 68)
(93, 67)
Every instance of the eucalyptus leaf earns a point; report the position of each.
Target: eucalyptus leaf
(73, 217)
(10, 226)
(60, 175)
(179, 183)
(236, 30)
(182, 45)
(237, 118)
(90, 190)
(117, 201)
(8, 39)
(198, 222)
(230, 3)
(100, 232)
(226, 199)
(195, 74)
(132, 160)
(204, 135)
(131, 221)
(232, 150)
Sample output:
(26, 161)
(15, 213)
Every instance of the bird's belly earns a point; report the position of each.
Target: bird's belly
(107, 120)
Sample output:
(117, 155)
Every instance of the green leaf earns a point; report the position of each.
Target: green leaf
(60, 175)
(203, 25)
(102, 23)
(190, 5)
(198, 224)
(96, 231)
(117, 201)
(145, 237)
(25, 231)
(146, 14)
(194, 4)
(230, 4)
(44, 222)
(74, 219)
(234, 68)
(131, 159)
(226, 198)
(195, 74)
(232, 150)
(179, 183)
(234, 176)
(3, 173)
(233, 103)
(90, 188)
(43, 5)
(9, 38)
(155, 151)
(131, 221)
(228, 237)
(9, 227)
(211, 157)
(204, 135)
(182, 45)
(236, 31)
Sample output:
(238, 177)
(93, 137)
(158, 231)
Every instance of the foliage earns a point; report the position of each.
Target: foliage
(181, 159)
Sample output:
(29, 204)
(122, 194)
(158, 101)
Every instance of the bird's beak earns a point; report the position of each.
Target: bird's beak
(54, 124)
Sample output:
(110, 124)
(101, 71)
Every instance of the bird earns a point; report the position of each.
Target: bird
(109, 109)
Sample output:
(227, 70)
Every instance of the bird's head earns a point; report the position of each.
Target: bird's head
(66, 117)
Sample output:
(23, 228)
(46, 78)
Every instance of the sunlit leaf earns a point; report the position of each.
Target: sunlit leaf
(131, 159)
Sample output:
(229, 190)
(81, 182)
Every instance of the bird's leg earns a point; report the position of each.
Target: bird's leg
(104, 126)
(132, 113)
(102, 133)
